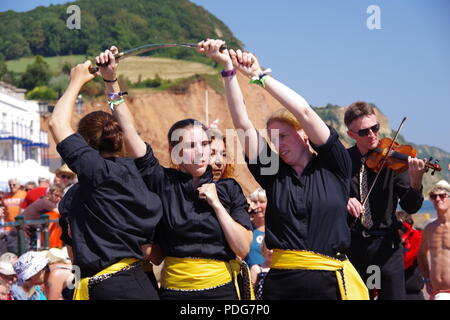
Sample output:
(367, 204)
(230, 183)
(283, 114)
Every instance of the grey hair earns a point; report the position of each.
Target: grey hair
(258, 193)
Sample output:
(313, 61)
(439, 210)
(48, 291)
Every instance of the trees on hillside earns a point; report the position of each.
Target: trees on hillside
(37, 74)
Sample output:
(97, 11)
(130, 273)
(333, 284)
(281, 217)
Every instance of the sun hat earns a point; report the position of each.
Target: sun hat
(6, 268)
(442, 184)
(28, 265)
(56, 255)
(64, 169)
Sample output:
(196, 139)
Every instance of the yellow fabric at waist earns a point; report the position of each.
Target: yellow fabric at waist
(192, 274)
(349, 281)
(82, 290)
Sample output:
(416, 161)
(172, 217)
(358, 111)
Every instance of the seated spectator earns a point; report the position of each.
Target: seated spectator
(259, 271)
(64, 176)
(36, 193)
(7, 272)
(31, 270)
(411, 242)
(45, 204)
(4, 291)
(30, 185)
(12, 200)
(59, 284)
(257, 211)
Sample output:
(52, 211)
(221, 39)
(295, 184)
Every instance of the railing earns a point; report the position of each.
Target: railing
(20, 224)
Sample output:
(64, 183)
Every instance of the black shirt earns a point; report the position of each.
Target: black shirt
(308, 212)
(114, 213)
(390, 187)
(190, 227)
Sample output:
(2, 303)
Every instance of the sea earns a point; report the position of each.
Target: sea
(427, 207)
(425, 215)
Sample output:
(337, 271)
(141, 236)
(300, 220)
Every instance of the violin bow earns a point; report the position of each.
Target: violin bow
(385, 157)
(147, 48)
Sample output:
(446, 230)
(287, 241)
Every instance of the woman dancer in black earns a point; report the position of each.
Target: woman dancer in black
(115, 215)
(307, 192)
(205, 225)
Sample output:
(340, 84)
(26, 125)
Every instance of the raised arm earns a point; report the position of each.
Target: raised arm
(60, 122)
(312, 124)
(134, 143)
(238, 110)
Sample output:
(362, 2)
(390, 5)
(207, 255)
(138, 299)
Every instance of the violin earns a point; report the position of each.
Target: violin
(397, 159)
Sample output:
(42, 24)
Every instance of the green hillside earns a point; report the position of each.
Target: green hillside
(55, 63)
(43, 31)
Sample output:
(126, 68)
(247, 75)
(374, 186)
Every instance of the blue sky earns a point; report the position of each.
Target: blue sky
(324, 50)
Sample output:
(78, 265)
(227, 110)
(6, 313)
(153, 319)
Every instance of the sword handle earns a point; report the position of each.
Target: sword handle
(95, 69)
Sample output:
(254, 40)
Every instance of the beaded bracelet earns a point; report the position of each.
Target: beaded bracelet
(228, 73)
(106, 80)
(114, 103)
(260, 80)
(115, 95)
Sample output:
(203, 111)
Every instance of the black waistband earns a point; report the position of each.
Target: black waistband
(373, 233)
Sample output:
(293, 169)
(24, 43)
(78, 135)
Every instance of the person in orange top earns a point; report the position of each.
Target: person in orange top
(12, 200)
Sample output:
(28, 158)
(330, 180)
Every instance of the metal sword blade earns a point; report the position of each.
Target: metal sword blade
(151, 47)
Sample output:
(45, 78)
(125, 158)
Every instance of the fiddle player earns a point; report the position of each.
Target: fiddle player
(375, 240)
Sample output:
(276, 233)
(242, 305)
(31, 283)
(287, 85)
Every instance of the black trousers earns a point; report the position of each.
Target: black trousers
(386, 253)
(133, 284)
(225, 292)
(301, 285)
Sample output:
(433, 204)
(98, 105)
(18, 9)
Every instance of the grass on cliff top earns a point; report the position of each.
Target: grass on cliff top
(133, 68)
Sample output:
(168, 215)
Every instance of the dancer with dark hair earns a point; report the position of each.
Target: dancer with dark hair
(115, 216)
(205, 225)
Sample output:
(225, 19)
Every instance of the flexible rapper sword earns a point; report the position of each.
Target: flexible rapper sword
(147, 48)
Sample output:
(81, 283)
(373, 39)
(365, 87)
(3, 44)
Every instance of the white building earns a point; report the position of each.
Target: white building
(21, 137)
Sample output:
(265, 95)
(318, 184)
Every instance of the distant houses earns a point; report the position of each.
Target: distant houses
(21, 137)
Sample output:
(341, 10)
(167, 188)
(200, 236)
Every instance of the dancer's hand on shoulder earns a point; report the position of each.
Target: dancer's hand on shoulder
(208, 192)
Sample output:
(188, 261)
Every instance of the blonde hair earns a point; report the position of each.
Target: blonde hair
(284, 115)
(441, 185)
(258, 193)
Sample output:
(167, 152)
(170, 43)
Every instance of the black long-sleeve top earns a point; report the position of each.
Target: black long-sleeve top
(307, 212)
(111, 213)
(392, 188)
(189, 227)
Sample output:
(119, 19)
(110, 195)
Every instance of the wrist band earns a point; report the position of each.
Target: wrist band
(260, 80)
(109, 80)
(228, 73)
(114, 103)
(115, 95)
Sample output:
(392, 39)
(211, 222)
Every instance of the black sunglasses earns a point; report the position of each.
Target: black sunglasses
(365, 132)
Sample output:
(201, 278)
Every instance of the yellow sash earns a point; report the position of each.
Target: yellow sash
(350, 283)
(82, 290)
(200, 274)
